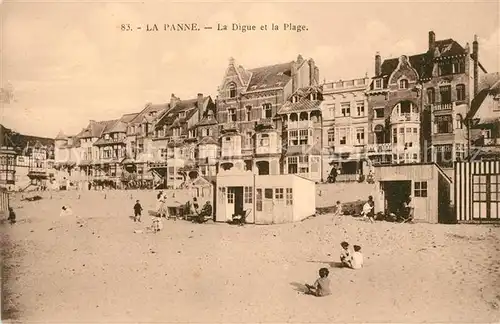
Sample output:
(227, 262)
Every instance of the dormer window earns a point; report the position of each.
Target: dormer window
(106, 137)
(232, 90)
(378, 84)
(182, 114)
(295, 99)
(313, 96)
(403, 84)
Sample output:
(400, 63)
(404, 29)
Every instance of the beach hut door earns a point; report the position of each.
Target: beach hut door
(230, 202)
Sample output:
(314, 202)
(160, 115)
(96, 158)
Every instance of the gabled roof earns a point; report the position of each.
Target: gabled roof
(151, 111)
(208, 119)
(423, 63)
(272, 76)
(477, 103)
(189, 107)
(127, 118)
(96, 129)
(117, 127)
(303, 104)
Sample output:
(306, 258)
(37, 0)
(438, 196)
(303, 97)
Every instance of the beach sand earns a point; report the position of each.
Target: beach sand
(57, 271)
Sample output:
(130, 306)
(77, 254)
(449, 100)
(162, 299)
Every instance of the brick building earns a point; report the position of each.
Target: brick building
(247, 112)
(418, 103)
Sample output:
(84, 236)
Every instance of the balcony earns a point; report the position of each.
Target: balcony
(491, 141)
(301, 124)
(405, 117)
(379, 148)
(442, 107)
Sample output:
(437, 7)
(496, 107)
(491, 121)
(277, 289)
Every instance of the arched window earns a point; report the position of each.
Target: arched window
(460, 92)
(403, 84)
(431, 96)
(232, 90)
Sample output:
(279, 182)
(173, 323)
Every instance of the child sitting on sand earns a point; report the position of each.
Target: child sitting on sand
(137, 211)
(345, 255)
(12, 216)
(357, 258)
(322, 285)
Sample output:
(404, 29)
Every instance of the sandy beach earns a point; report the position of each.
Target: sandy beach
(56, 271)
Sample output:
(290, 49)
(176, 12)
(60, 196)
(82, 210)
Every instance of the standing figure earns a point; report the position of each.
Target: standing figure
(12, 216)
(137, 211)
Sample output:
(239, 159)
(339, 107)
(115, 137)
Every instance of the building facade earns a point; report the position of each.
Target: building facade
(418, 103)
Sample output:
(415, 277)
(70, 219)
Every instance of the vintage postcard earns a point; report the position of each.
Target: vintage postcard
(250, 162)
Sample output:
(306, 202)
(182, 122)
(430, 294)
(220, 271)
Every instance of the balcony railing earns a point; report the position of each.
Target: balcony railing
(405, 117)
(379, 148)
(491, 141)
(442, 106)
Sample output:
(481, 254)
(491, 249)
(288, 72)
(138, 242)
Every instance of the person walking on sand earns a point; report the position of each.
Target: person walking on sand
(12, 216)
(137, 211)
(160, 203)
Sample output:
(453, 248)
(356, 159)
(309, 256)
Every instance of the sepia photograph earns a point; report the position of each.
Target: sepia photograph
(249, 162)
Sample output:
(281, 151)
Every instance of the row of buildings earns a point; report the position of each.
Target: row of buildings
(280, 119)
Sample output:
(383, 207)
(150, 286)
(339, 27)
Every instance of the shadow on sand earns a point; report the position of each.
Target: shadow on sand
(300, 287)
(331, 264)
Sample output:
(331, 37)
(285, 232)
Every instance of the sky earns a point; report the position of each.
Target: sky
(68, 62)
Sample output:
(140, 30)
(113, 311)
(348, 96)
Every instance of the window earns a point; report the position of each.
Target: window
(459, 121)
(331, 137)
(248, 112)
(415, 130)
(278, 193)
(431, 96)
(182, 114)
(248, 139)
(292, 165)
(264, 140)
(445, 93)
(379, 112)
(232, 90)
(458, 67)
(258, 199)
(106, 137)
(343, 136)
(444, 124)
(232, 114)
(378, 84)
(313, 96)
(192, 133)
(295, 99)
(345, 109)
(247, 194)
(403, 84)
(331, 110)
(267, 110)
(460, 152)
(360, 108)
(289, 196)
(360, 136)
(445, 68)
(444, 155)
(420, 189)
(293, 137)
(268, 193)
(394, 135)
(304, 136)
(460, 92)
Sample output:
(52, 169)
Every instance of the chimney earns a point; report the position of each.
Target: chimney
(173, 101)
(378, 64)
(475, 57)
(294, 77)
(200, 105)
(432, 40)
(316, 74)
(312, 67)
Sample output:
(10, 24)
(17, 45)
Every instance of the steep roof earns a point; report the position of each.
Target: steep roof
(127, 118)
(117, 127)
(301, 105)
(422, 63)
(478, 100)
(208, 119)
(61, 136)
(96, 129)
(151, 111)
(271, 76)
(189, 107)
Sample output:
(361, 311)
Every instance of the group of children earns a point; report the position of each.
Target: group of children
(351, 259)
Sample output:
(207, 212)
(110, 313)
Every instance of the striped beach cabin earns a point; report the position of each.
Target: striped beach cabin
(477, 191)
(4, 202)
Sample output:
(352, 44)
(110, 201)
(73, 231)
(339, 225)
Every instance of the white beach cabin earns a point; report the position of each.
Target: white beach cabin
(268, 199)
